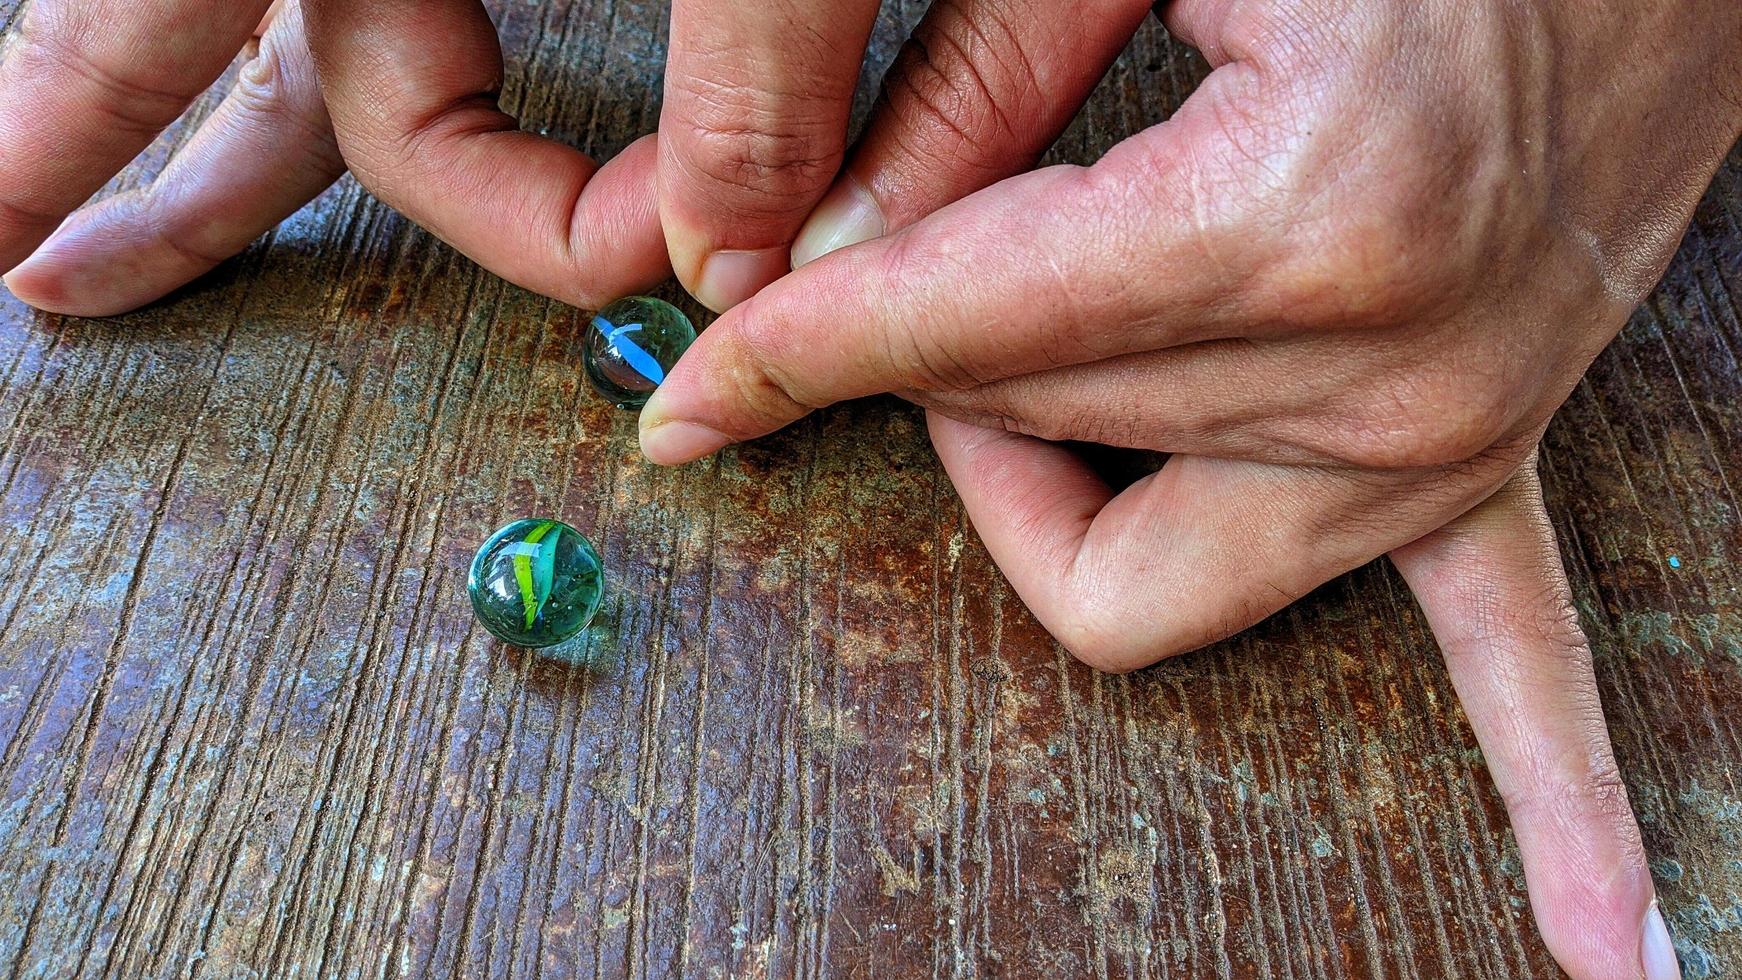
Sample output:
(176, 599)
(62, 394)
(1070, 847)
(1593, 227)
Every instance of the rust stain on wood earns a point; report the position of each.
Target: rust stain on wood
(247, 726)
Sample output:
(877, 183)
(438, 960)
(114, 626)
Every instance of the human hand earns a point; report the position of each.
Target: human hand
(1346, 285)
(86, 84)
(1328, 305)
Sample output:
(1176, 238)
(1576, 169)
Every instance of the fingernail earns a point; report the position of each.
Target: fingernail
(730, 278)
(670, 442)
(1656, 952)
(847, 215)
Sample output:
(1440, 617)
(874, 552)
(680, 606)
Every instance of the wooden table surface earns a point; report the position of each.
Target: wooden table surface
(248, 726)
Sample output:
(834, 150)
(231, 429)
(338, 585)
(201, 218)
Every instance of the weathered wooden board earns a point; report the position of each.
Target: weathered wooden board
(248, 728)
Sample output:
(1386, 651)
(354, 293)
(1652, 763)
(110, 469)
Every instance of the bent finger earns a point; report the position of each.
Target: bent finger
(265, 152)
(412, 86)
(1494, 590)
(1059, 266)
(1193, 553)
(752, 132)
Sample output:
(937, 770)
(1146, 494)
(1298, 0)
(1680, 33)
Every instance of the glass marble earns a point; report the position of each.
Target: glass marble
(536, 583)
(630, 346)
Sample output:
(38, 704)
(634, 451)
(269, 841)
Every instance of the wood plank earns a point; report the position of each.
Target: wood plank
(247, 726)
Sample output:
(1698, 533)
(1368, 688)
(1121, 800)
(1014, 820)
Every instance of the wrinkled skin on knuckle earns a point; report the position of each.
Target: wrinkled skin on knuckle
(745, 144)
(1098, 652)
(919, 349)
(261, 84)
(1098, 633)
(1068, 423)
(964, 76)
(277, 85)
(1024, 405)
(1565, 798)
(1112, 623)
(927, 364)
(1382, 236)
(401, 91)
(765, 368)
(398, 150)
(1071, 423)
(1498, 619)
(1227, 211)
(1413, 420)
(1112, 645)
(761, 164)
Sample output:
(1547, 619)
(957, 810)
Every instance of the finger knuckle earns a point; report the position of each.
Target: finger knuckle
(957, 79)
(749, 143)
(1062, 426)
(1377, 225)
(767, 385)
(927, 364)
(1098, 652)
(1576, 803)
(1410, 423)
(917, 345)
(1030, 415)
(259, 88)
(1380, 264)
(278, 85)
(1096, 634)
(1103, 641)
(1115, 629)
(1498, 621)
(761, 162)
(930, 365)
(1263, 31)
(267, 77)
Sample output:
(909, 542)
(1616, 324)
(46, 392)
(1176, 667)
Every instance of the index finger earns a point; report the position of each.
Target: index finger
(411, 86)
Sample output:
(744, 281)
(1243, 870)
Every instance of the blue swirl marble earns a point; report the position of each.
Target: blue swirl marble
(631, 345)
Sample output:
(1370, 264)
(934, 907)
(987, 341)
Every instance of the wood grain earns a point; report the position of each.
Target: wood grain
(248, 728)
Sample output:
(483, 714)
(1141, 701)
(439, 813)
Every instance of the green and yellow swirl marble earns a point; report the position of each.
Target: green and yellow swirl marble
(535, 583)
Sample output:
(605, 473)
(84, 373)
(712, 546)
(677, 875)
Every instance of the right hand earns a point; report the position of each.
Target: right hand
(1400, 211)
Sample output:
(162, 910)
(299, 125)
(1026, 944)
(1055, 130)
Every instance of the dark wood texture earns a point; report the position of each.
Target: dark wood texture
(247, 726)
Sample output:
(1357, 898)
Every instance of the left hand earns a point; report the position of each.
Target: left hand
(413, 89)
